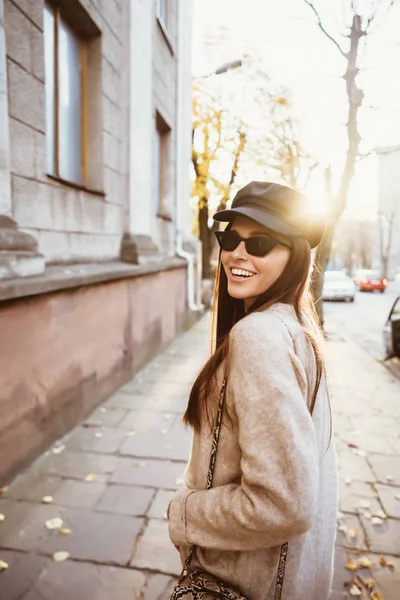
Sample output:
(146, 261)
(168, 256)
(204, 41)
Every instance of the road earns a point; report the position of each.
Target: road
(363, 320)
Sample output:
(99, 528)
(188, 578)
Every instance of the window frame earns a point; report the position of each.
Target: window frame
(163, 133)
(165, 23)
(58, 16)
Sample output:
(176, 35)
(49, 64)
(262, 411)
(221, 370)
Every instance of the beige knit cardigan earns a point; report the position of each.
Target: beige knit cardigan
(275, 476)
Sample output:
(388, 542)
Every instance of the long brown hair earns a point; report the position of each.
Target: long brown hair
(291, 287)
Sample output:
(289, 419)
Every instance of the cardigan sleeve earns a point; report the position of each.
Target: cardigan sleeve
(276, 498)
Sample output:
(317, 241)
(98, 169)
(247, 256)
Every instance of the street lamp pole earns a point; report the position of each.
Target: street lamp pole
(224, 68)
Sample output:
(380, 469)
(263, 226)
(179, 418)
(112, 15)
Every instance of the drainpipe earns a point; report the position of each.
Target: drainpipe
(193, 306)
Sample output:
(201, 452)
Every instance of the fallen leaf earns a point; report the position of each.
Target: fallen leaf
(351, 565)
(385, 563)
(2, 517)
(59, 449)
(55, 523)
(47, 499)
(3, 566)
(360, 452)
(90, 477)
(351, 445)
(380, 514)
(65, 531)
(376, 596)
(3, 489)
(355, 590)
(60, 556)
(365, 562)
(350, 534)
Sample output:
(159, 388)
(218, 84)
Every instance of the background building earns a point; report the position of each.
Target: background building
(95, 142)
(389, 208)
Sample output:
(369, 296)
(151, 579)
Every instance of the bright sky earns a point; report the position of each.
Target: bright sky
(283, 39)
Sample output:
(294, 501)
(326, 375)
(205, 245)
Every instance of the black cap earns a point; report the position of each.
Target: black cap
(279, 207)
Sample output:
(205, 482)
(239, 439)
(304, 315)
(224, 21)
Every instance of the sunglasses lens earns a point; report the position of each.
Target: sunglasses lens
(228, 240)
(260, 245)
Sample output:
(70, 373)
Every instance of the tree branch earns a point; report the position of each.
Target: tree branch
(373, 16)
(322, 28)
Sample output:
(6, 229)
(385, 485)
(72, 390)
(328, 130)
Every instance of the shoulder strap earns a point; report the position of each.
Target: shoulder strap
(210, 476)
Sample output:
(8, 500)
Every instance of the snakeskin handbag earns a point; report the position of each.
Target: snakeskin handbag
(200, 585)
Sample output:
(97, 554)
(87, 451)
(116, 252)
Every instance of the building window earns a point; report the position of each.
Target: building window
(162, 160)
(65, 72)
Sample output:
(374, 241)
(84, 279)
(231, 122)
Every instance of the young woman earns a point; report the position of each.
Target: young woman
(275, 472)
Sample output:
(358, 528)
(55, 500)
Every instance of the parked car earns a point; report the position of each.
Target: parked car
(337, 286)
(391, 331)
(370, 281)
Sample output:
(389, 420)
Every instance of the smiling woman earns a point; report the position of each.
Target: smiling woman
(267, 494)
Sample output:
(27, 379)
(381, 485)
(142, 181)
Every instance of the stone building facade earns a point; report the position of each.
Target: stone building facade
(97, 271)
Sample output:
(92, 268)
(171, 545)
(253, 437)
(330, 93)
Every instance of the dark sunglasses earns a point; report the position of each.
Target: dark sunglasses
(257, 245)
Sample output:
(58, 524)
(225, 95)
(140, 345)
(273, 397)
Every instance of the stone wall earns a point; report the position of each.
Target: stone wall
(68, 223)
(63, 353)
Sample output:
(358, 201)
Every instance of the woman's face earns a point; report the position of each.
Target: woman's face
(261, 271)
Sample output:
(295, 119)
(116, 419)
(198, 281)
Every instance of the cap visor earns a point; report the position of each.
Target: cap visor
(259, 216)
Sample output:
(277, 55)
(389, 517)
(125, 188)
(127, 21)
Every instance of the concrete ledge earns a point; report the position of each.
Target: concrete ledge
(63, 277)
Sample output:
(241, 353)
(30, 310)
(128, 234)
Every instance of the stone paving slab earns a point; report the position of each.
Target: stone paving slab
(141, 421)
(159, 587)
(150, 473)
(126, 500)
(386, 469)
(387, 579)
(85, 581)
(156, 445)
(23, 571)
(158, 509)
(95, 537)
(154, 550)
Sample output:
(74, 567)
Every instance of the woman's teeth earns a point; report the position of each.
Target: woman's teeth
(242, 273)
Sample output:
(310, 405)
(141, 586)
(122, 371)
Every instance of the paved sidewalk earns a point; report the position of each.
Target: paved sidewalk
(110, 481)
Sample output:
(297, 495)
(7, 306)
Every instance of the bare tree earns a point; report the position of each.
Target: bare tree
(359, 29)
(386, 227)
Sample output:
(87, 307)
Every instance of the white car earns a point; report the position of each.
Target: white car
(337, 286)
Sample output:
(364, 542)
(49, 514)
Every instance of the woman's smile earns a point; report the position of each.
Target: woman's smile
(241, 275)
